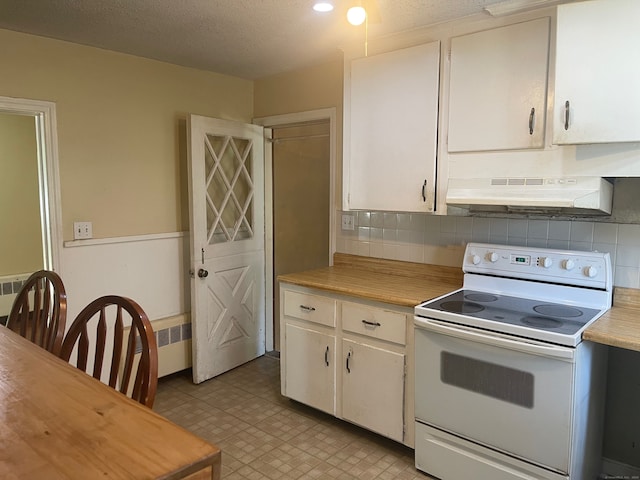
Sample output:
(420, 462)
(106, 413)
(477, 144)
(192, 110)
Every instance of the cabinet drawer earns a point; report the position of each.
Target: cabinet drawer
(374, 322)
(310, 307)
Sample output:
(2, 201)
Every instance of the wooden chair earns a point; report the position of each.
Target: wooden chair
(104, 319)
(39, 312)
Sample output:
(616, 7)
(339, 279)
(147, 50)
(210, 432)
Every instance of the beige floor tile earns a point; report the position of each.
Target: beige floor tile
(264, 436)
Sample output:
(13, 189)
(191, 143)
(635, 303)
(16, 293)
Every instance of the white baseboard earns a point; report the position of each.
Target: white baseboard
(615, 470)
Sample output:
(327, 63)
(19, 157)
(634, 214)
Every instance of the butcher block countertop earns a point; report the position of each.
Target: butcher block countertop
(407, 284)
(620, 326)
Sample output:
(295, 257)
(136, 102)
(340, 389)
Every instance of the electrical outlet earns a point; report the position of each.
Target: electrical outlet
(348, 222)
(82, 230)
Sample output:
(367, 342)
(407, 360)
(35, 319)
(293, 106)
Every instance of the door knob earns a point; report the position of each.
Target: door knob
(202, 273)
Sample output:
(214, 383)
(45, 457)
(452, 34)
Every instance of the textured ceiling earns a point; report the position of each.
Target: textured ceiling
(244, 38)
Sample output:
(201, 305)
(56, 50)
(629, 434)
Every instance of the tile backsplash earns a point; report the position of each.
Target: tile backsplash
(441, 240)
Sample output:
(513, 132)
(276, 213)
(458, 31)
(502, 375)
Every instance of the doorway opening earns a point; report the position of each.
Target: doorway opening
(300, 192)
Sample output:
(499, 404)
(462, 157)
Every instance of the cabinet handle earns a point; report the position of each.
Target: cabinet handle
(424, 191)
(348, 367)
(566, 115)
(531, 118)
(373, 324)
(308, 309)
(326, 356)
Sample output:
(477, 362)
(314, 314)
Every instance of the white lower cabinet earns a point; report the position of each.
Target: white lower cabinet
(349, 357)
(311, 372)
(373, 388)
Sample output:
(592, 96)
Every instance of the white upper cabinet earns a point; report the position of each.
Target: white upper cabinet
(391, 117)
(498, 88)
(597, 78)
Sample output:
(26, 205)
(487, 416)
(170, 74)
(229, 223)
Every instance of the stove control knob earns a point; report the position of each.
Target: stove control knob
(493, 257)
(569, 264)
(591, 271)
(475, 259)
(546, 262)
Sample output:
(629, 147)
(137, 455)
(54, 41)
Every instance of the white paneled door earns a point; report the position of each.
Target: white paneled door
(226, 181)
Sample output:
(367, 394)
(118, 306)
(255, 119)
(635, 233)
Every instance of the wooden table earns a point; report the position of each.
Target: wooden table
(57, 422)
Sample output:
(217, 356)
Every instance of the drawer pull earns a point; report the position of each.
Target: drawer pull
(326, 356)
(373, 324)
(348, 367)
(307, 309)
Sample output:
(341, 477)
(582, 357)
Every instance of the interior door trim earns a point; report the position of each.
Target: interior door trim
(280, 120)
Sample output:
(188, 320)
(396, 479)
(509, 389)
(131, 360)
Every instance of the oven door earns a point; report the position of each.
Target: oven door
(512, 395)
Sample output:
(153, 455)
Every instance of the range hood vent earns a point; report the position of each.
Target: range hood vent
(538, 195)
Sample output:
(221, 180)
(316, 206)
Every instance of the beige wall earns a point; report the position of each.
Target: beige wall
(20, 241)
(302, 90)
(121, 123)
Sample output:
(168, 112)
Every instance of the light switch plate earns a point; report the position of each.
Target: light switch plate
(82, 230)
(348, 222)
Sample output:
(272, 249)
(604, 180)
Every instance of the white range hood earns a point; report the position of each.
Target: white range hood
(543, 195)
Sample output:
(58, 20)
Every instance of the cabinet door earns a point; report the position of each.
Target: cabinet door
(373, 388)
(498, 88)
(310, 374)
(391, 116)
(597, 73)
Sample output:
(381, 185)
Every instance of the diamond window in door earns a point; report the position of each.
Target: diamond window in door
(229, 188)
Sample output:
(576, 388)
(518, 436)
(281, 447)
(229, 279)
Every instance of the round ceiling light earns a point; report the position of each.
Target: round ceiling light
(323, 7)
(356, 15)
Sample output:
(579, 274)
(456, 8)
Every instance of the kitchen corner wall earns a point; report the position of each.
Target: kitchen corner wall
(440, 240)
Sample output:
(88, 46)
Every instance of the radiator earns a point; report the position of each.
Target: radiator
(10, 285)
(173, 336)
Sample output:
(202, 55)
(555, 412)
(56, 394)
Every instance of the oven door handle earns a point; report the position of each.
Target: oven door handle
(496, 339)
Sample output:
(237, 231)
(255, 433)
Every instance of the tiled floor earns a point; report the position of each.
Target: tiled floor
(266, 436)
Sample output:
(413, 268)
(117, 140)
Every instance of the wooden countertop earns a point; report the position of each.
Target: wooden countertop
(399, 283)
(408, 284)
(58, 423)
(620, 326)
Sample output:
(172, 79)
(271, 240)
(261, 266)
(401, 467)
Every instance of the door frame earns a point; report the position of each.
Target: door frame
(44, 113)
(281, 121)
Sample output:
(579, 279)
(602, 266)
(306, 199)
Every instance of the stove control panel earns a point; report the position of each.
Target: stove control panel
(567, 267)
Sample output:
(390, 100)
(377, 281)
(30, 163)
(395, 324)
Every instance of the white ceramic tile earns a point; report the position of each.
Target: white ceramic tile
(628, 234)
(375, 234)
(390, 220)
(559, 244)
(605, 233)
(364, 219)
(416, 253)
(448, 224)
(628, 277)
(376, 250)
(537, 242)
(498, 239)
(538, 229)
(481, 226)
(464, 225)
(559, 230)
(389, 235)
(404, 221)
(391, 251)
(432, 222)
(432, 236)
(518, 241)
(463, 238)
(499, 228)
(364, 234)
(580, 246)
(628, 256)
(517, 228)
(581, 232)
(480, 236)
(340, 245)
(377, 219)
(364, 249)
(447, 238)
(417, 222)
(405, 236)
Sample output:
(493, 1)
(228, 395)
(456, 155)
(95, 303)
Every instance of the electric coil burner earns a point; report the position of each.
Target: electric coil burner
(505, 386)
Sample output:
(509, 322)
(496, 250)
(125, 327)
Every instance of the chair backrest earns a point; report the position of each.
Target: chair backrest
(39, 312)
(102, 323)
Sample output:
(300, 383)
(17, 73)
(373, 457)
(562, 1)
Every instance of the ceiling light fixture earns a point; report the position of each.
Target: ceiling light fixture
(323, 7)
(356, 15)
